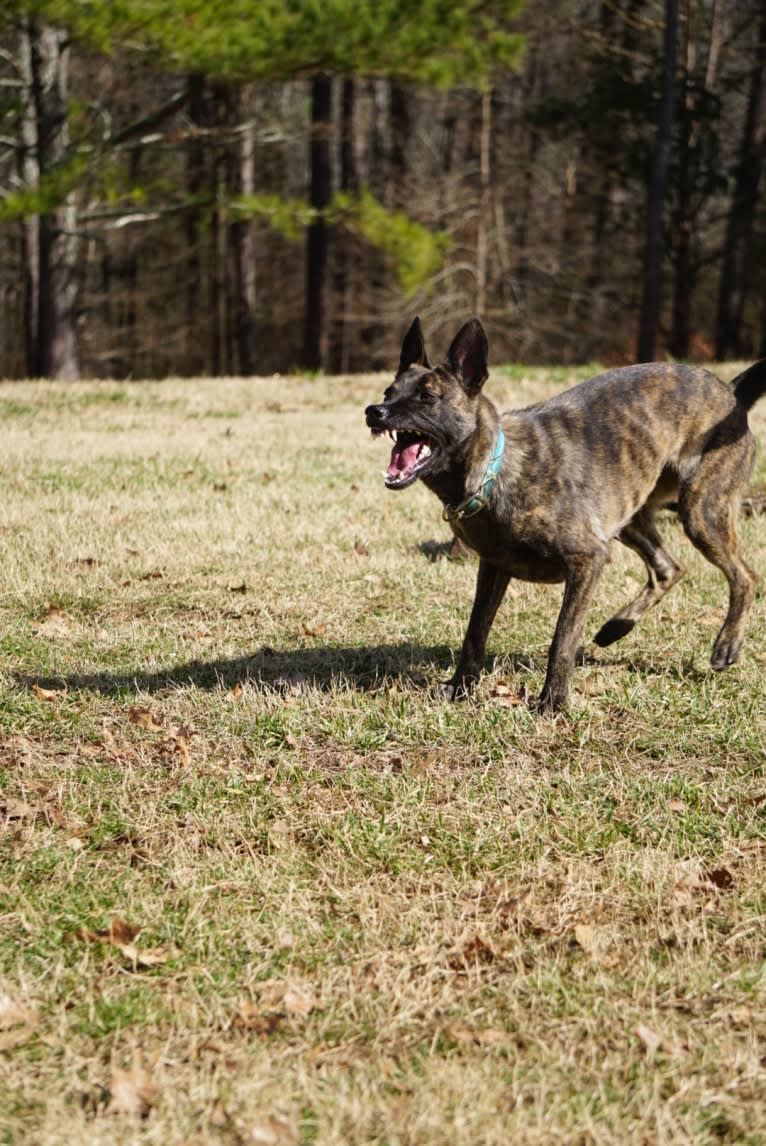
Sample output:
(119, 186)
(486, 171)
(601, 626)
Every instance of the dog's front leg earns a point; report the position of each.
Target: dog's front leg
(491, 584)
(582, 574)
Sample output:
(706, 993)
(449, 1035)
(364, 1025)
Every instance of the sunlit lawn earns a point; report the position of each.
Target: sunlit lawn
(259, 885)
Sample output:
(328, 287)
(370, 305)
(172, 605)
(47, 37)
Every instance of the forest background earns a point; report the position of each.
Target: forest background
(206, 188)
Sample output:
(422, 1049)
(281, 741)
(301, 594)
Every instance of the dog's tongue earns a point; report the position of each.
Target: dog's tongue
(403, 458)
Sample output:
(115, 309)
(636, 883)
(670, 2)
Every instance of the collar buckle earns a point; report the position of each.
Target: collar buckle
(468, 508)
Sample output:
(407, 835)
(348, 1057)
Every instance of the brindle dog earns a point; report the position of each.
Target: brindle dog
(541, 492)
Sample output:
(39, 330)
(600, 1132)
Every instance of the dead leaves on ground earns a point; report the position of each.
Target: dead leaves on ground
(56, 624)
(49, 694)
(506, 696)
(122, 935)
(693, 881)
(177, 741)
(132, 1091)
(17, 1022)
(278, 1000)
(274, 1131)
(655, 1043)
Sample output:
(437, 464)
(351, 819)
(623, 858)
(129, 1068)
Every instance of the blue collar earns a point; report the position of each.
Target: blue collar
(475, 502)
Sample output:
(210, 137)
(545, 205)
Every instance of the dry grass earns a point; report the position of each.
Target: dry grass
(366, 916)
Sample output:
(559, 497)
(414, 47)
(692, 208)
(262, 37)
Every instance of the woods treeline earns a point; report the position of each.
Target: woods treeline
(194, 188)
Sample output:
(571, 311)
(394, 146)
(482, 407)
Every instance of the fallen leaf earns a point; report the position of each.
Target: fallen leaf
(315, 630)
(148, 956)
(274, 1131)
(466, 1035)
(15, 1038)
(177, 741)
(279, 833)
(14, 1014)
(144, 718)
(675, 1048)
(505, 696)
(721, 877)
(470, 950)
(18, 809)
(132, 1091)
(420, 764)
(299, 1000)
(294, 997)
(82, 563)
(252, 1017)
(651, 1040)
(122, 932)
(361, 549)
(17, 1023)
(585, 934)
(51, 694)
(121, 935)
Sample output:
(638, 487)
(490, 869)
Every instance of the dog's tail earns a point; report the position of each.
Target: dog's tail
(751, 384)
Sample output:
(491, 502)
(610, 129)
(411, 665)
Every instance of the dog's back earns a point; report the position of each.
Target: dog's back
(624, 438)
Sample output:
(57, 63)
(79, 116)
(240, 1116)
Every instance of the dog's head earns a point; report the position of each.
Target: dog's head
(429, 411)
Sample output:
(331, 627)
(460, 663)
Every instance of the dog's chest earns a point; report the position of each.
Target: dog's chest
(527, 560)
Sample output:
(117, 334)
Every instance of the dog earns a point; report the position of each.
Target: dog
(541, 492)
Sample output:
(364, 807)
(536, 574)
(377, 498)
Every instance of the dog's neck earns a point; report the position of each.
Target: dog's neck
(469, 460)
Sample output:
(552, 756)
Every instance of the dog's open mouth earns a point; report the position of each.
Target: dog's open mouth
(409, 457)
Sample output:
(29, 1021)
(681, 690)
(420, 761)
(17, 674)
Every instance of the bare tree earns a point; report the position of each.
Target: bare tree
(739, 254)
(653, 257)
(51, 238)
(315, 334)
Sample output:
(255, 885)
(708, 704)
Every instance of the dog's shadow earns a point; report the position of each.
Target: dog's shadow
(363, 669)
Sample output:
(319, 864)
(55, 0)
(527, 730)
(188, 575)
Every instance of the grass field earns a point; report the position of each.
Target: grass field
(257, 885)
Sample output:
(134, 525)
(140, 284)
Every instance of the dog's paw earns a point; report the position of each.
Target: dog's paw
(457, 688)
(725, 655)
(612, 631)
(549, 703)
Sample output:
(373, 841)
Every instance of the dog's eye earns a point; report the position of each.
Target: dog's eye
(427, 396)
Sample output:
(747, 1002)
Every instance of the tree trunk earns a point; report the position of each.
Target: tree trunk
(196, 353)
(51, 241)
(652, 292)
(244, 244)
(315, 335)
(484, 204)
(340, 348)
(738, 257)
(685, 226)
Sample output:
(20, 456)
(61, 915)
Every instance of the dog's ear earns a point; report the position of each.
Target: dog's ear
(467, 356)
(413, 348)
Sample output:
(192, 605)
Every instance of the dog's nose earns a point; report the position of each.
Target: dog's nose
(374, 415)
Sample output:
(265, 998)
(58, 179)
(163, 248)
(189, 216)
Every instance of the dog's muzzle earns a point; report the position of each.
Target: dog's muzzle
(411, 453)
(375, 416)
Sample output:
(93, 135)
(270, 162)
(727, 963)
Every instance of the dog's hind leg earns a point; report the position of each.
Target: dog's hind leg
(640, 534)
(709, 513)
